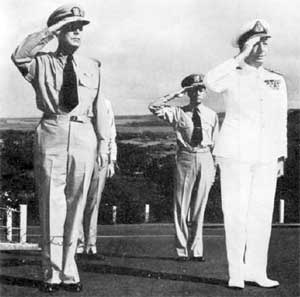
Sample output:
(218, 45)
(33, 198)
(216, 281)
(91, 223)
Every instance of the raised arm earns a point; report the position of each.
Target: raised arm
(24, 55)
(170, 114)
(220, 78)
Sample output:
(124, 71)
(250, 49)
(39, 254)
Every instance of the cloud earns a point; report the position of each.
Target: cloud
(147, 47)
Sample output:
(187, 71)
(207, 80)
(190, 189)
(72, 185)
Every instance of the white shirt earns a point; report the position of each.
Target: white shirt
(255, 124)
(181, 120)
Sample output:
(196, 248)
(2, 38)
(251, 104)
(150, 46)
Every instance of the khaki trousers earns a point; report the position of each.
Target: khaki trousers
(88, 227)
(194, 176)
(248, 192)
(65, 153)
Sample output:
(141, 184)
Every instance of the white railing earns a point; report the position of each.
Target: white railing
(146, 215)
(9, 213)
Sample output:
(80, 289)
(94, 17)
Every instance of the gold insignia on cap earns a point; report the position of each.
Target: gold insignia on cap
(258, 27)
(76, 11)
(197, 79)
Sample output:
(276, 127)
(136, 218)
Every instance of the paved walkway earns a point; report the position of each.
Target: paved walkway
(140, 262)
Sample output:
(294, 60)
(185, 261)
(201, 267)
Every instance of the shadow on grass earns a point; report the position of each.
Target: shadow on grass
(19, 281)
(136, 272)
(138, 257)
(103, 269)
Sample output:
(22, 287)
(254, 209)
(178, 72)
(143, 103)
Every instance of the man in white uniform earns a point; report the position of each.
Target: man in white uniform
(88, 229)
(196, 128)
(72, 134)
(250, 150)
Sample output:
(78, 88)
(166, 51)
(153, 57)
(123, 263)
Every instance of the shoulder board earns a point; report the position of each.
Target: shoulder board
(239, 68)
(270, 70)
(97, 62)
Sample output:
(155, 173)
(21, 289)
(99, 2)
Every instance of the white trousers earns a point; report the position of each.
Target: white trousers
(65, 154)
(194, 176)
(248, 192)
(88, 227)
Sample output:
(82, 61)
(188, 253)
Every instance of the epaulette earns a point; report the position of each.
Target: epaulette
(97, 62)
(270, 70)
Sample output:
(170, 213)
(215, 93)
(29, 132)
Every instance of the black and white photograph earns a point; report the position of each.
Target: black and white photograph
(150, 148)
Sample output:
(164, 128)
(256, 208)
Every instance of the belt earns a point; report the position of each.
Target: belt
(195, 150)
(67, 117)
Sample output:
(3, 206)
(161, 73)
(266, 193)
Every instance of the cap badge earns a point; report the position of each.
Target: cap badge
(258, 27)
(197, 79)
(76, 11)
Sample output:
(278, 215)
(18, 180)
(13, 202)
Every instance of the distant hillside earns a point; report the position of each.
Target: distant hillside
(147, 120)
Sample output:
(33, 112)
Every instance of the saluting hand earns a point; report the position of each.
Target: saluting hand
(56, 28)
(248, 46)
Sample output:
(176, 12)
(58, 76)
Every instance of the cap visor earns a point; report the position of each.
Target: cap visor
(77, 19)
(235, 41)
(261, 35)
(198, 84)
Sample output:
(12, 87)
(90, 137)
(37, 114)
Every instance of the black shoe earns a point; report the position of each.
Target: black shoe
(182, 258)
(92, 256)
(80, 256)
(198, 259)
(76, 287)
(49, 288)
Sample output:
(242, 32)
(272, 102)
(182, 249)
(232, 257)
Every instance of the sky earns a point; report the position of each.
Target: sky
(148, 46)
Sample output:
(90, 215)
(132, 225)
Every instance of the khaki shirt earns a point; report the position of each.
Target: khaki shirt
(255, 124)
(45, 73)
(181, 120)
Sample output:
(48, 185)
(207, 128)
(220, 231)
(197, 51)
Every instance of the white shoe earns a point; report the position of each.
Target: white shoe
(80, 249)
(236, 284)
(264, 282)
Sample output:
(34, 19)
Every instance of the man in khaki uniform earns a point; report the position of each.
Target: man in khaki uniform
(72, 134)
(196, 128)
(88, 228)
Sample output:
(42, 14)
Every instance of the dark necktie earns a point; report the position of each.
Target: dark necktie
(68, 92)
(197, 132)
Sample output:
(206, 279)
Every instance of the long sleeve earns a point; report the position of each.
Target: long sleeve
(215, 130)
(25, 53)
(219, 78)
(102, 121)
(283, 123)
(169, 114)
(112, 142)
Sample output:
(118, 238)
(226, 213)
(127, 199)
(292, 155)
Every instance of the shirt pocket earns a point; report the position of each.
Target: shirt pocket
(88, 80)
(206, 126)
(185, 122)
(54, 82)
